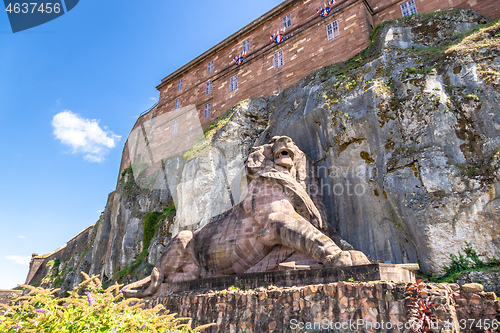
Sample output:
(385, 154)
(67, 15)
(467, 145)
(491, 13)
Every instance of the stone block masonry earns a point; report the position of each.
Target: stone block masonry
(336, 307)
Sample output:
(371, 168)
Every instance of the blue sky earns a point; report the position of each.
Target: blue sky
(70, 92)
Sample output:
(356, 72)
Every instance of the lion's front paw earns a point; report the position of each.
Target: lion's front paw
(338, 260)
(359, 258)
(346, 258)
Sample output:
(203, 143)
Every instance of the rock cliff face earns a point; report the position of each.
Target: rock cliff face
(404, 140)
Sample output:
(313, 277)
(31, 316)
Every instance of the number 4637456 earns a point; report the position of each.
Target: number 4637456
(33, 7)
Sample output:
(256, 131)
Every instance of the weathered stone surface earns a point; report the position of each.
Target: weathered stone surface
(472, 288)
(489, 279)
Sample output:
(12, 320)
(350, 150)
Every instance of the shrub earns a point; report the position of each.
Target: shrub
(460, 263)
(420, 310)
(89, 308)
(464, 262)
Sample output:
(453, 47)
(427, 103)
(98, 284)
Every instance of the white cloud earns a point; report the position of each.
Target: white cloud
(21, 237)
(152, 98)
(84, 135)
(19, 259)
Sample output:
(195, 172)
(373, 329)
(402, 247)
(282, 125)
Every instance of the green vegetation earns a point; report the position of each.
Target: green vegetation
(351, 85)
(469, 42)
(349, 279)
(152, 221)
(211, 130)
(397, 221)
(221, 120)
(55, 275)
(53, 263)
(474, 40)
(472, 169)
(134, 264)
(414, 70)
(128, 170)
(88, 308)
(58, 282)
(466, 262)
(473, 97)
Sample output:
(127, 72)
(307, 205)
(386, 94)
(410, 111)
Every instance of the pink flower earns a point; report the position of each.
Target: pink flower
(143, 326)
(41, 310)
(90, 298)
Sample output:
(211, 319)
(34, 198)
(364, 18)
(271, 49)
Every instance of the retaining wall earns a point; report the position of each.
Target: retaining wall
(333, 307)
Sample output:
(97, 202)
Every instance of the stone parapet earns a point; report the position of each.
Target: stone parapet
(376, 306)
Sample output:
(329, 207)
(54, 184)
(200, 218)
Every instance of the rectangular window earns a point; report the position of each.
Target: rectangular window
(233, 83)
(177, 104)
(409, 8)
(287, 21)
(332, 30)
(206, 113)
(278, 59)
(210, 67)
(246, 46)
(175, 125)
(179, 85)
(208, 88)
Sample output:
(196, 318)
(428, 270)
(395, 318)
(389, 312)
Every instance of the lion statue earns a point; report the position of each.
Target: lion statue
(276, 220)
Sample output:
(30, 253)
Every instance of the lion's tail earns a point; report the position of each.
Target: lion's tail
(156, 279)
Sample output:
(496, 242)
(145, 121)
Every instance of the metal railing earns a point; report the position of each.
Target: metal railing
(151, 108)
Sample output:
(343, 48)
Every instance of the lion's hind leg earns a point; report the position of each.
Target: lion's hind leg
(179, 261)
(176, 264)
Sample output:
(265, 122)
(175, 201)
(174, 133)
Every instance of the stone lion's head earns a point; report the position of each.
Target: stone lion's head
(279, 155)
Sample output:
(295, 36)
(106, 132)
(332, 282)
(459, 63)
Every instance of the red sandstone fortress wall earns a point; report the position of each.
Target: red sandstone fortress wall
(384, 10)
(306, 49)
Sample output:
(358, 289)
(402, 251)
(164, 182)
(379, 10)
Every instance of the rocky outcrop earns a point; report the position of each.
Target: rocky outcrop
(404, 140)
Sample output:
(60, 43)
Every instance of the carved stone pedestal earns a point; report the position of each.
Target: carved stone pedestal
(288, 278)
